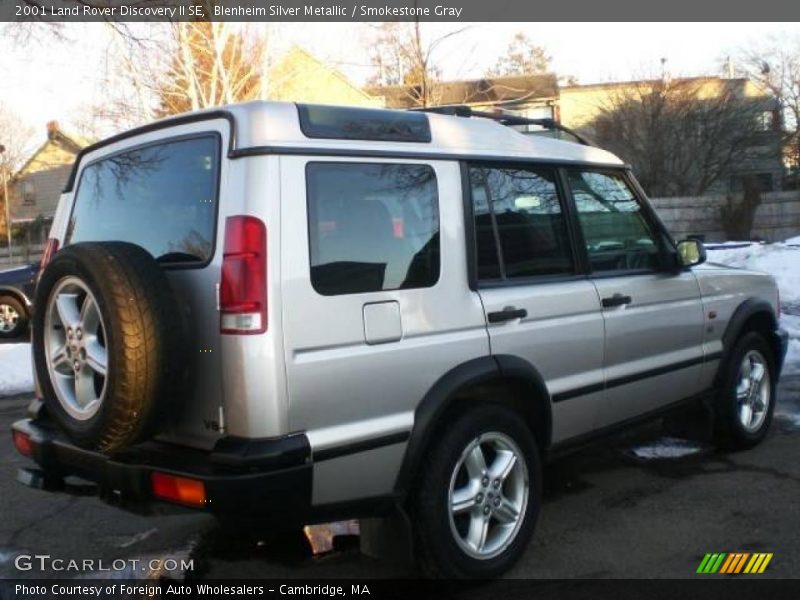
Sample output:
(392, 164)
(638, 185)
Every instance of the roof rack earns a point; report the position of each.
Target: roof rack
(503, 117)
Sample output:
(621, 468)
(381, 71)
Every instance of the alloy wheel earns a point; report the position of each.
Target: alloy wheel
(8, 318)
(753, 391)
(75, 348)
(488, 495)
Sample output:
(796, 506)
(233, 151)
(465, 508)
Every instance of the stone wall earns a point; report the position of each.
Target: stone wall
(778, 217)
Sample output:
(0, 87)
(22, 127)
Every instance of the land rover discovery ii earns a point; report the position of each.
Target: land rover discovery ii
(288, 313)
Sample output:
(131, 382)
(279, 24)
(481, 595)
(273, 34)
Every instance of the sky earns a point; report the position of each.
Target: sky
(50, 80)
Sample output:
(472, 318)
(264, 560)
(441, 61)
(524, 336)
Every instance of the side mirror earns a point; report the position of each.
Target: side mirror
(691, 253)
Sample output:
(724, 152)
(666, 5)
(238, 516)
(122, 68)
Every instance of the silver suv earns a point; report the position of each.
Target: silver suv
(283, 314)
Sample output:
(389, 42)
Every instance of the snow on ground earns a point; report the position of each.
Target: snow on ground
(782, 261)
(16, 374)
(666, 448)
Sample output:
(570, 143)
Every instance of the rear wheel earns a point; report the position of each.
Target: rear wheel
(477, 499)
(13, 317)
(746, 399)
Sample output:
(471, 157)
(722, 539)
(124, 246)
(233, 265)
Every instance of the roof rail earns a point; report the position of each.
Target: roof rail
(503, 117)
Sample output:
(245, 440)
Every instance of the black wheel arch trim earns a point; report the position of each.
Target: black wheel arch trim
(440, 396)
(18, 295)
(744, 312)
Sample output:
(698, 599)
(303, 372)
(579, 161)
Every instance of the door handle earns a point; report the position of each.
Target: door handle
(509, 313)
(616, 300)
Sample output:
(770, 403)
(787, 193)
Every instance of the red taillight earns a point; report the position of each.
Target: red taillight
(22, 442)
(50, 248)
(243, 290)
(178, 489)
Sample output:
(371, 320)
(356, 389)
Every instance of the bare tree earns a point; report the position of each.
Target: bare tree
(522, 57)
(775, 65)
(404, 56)
(16, 137)
(15, 140)
(211, 64)
(682, 136)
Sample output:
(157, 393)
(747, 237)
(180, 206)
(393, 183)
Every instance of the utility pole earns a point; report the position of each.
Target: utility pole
(6, 202)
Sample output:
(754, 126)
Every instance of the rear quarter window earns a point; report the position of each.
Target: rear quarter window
(372, 227)
(161, 196)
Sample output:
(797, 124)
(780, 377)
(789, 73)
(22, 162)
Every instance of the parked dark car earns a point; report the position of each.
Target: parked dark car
(16, 299)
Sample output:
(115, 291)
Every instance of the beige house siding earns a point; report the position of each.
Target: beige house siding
(34, 190)
(580, 106)
(299, 77)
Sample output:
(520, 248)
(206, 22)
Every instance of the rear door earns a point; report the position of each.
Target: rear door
(653, 316)
(376, 308)
(539, 306)
(162, 194)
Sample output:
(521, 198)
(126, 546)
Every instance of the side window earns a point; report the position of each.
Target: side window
(520, 230)
(162, 197)
(372, 227)
(617, 233)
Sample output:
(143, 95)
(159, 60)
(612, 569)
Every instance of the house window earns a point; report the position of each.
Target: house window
(764, 182)
(28, 193)
(765, 121)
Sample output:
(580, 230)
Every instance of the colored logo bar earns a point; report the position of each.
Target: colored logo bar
(734, 563)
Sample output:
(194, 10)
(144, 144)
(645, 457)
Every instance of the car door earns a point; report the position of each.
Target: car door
(539, 307)
(653, 313)
(376, 308)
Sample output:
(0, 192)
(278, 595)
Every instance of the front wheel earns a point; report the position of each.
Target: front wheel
(477, 499)
(746, 398)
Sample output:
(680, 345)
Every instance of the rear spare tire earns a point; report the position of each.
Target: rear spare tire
(106, 343)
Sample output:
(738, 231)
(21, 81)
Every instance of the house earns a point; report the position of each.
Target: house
(532, 96)
(35, 188)
(298, 76)
(589, 110)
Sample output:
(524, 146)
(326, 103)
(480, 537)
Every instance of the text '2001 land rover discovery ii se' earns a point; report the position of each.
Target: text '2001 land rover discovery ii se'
(284, 313)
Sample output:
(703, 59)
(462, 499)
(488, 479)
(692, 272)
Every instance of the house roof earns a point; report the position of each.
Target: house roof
(700, 80)
(69, 143)
(489, 90)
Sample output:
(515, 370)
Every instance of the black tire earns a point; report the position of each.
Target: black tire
(436, 547)
(729, 431)
(142, 340)
(21, 325)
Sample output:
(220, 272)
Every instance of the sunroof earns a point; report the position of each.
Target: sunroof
(369, 124)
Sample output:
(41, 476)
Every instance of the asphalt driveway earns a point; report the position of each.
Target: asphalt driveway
(607, 513)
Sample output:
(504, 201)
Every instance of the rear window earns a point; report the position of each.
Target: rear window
(162, 197)
(372, 124)
(372, 227)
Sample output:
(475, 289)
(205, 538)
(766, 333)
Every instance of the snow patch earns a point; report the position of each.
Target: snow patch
(779, 260)
(16, 373)
(782, 261)
(666, 448)
(795, 241)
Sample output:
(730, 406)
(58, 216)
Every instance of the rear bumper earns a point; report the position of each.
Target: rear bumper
(243, 479)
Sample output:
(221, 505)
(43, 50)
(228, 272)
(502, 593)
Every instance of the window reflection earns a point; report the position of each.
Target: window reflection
(161, 197)
(372, 227)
